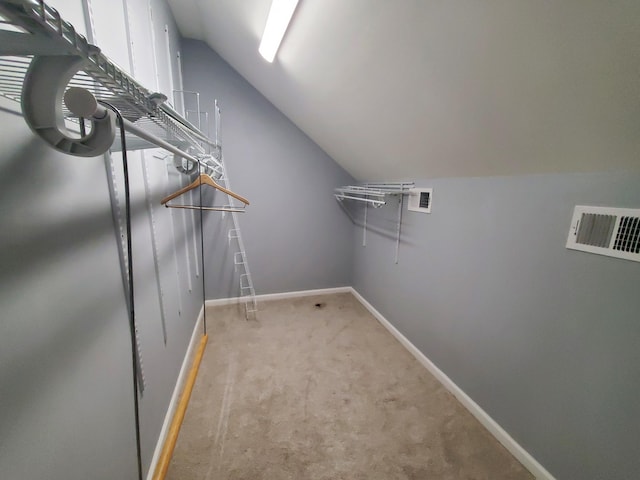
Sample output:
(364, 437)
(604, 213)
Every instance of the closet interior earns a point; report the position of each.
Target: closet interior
(377, 334)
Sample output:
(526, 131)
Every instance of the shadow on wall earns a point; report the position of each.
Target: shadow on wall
(14, 167)
(25, 184)
(32, 371)
(29, 244)
(17, 112)
(221, 277)
(385, 225)
(26, 250)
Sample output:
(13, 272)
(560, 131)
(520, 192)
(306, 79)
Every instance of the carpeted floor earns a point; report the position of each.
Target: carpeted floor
(324, 392)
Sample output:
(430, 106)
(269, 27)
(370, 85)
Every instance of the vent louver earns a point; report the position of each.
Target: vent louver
(595, 230)
(627, 238)
(425, 199)
(614, 232)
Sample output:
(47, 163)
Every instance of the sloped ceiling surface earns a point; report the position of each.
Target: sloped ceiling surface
(414, 89)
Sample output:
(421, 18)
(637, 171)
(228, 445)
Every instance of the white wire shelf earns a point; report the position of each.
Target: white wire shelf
(372, 193)
(30, 28)
(375, 194)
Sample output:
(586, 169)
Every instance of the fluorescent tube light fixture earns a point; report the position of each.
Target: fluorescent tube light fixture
(277, 22)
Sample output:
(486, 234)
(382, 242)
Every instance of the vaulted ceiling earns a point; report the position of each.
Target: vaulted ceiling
(411, 89)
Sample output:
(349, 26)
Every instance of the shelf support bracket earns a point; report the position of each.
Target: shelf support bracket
(42, 94)
(364, 230)
(400, 205)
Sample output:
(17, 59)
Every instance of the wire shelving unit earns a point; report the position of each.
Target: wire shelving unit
(31, 29)
(377, 195)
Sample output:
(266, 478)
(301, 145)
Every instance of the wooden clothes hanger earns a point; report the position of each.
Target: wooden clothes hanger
(203, 179)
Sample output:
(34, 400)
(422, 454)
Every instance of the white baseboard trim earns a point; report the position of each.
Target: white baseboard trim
(279, 296)
(177, 391)
(489, 423)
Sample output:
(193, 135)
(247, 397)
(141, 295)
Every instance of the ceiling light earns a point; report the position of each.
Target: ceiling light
(277, 22)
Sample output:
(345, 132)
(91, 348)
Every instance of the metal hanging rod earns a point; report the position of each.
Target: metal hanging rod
(358, 190)
(375, 203)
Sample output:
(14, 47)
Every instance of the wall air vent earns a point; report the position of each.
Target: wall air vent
(614, 232)
(420, 200)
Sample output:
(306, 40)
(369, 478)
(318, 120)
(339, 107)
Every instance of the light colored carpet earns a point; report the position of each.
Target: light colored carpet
(321, 393)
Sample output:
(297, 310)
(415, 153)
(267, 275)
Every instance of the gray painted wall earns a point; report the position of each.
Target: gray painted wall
(295, 234)
(543, 338)
(66, 396)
